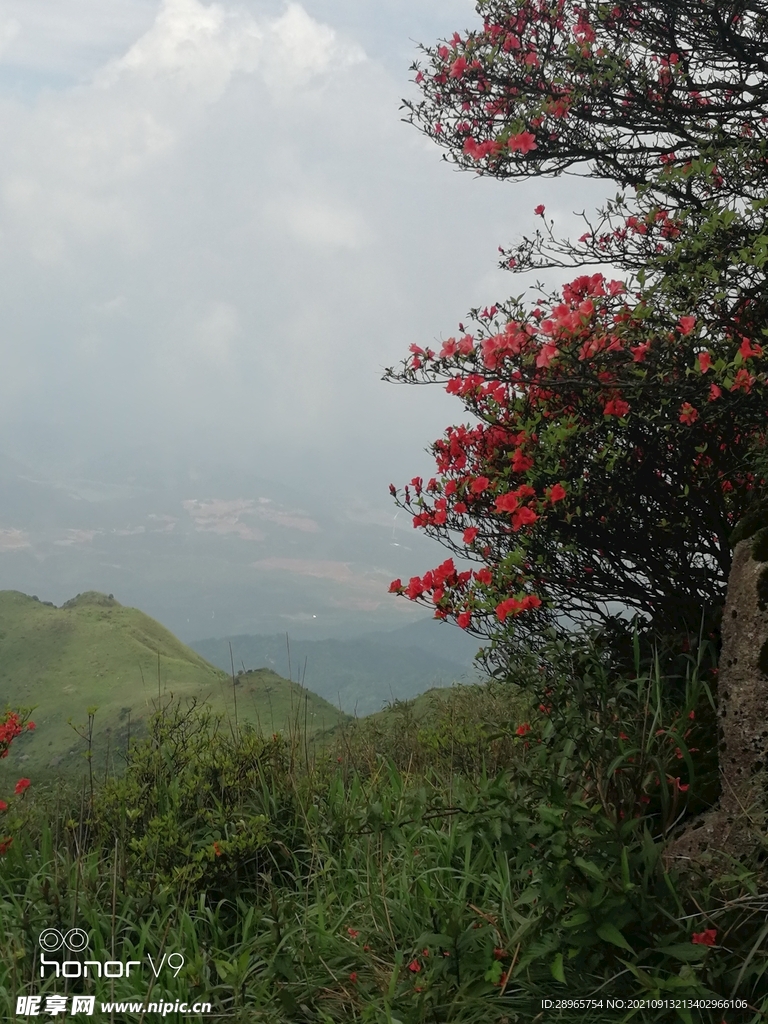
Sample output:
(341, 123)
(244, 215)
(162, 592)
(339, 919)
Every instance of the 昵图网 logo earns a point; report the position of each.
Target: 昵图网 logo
(76, 941)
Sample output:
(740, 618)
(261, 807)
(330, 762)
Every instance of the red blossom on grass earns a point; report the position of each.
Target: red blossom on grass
(21, 785)
(352, 933)
(414, 966)
(523, 729)
(706, 938)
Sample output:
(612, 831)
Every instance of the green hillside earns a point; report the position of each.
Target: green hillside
(93, 652)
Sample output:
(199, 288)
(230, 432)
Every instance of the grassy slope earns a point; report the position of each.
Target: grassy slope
(94, 652)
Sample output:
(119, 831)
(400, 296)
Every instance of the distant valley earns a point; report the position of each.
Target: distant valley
(358, 676)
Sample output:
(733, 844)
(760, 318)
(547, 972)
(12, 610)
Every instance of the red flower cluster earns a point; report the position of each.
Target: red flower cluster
(556, 391)
(10, 727)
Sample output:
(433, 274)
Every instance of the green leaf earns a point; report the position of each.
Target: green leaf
(610, 933)
(576, 919)
(494, 973)
(684, 951)
(556, 967)
(589, 868)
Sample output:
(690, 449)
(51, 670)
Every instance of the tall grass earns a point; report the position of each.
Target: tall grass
(459, 865)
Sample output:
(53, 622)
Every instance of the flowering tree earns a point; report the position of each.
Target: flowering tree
(668, 100)
(545, 85)
(618, 426)
(609, 461)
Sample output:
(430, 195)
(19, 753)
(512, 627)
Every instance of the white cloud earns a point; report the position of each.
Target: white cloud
(9, 30)
(318, 224)
(215, 239)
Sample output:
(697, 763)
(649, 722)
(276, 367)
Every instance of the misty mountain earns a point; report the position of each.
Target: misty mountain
(360, 675)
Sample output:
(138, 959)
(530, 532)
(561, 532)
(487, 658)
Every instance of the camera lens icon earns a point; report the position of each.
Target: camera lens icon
(76, 940)
(50, 940)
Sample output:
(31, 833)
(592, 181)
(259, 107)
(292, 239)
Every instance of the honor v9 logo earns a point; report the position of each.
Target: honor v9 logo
(76, 941)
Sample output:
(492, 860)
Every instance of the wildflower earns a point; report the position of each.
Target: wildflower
(353, 977)
(523, 729)
(414, 966)
(21, 785)
(217, 849)
(352, 933)
(539, 210)
(705, 938)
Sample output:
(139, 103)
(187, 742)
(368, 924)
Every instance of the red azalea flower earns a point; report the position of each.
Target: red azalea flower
(524, 141)
(688, 414)
(705, 361)
(616, 407)
(557, 493)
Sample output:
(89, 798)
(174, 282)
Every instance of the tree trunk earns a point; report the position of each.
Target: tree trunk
(733, 827)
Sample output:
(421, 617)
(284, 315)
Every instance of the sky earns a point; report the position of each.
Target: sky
(215, 233)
